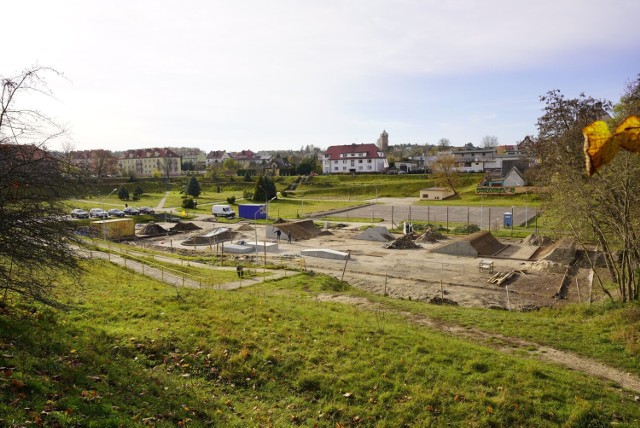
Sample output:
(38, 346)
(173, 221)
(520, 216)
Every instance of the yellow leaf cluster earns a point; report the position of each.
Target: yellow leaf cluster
(600, 146)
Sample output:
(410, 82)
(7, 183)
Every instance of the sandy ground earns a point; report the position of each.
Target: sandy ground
(416, 274)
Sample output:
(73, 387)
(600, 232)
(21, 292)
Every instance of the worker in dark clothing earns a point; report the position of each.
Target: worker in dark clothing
(278, 233)
(289, 237)
(240, 271)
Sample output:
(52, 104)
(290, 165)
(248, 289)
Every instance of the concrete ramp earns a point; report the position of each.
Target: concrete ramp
(325, 254)
(238, 249)
(216, 236)
(376, 234)
(482, 244)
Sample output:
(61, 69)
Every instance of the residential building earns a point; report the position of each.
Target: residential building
(217, 157)
(98, 162)
(514, 178)
(195, 157)
(475, 160)
(354, 158)
(147, 162)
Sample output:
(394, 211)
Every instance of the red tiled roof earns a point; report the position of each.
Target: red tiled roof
(149, 153)
(216, 154)
(371, 151)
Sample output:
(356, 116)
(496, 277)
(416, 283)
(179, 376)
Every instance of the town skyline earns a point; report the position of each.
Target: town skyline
(284, 74)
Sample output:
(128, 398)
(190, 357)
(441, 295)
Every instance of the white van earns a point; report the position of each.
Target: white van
(222, 211)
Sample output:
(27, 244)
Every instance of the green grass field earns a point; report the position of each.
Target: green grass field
(131, 352)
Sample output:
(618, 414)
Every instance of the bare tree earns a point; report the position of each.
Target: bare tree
(36, 242)
(102, 162)
(444, 144)
(489, 141)
(445, 173)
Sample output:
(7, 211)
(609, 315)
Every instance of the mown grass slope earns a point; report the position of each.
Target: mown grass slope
(132, 351)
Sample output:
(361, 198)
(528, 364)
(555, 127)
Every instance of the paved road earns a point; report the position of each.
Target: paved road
(485, 217)
(176, 279)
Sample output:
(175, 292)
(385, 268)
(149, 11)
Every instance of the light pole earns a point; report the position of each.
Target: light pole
(512, 220)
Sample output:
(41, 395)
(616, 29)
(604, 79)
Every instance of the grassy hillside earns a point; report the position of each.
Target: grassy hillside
(132, 352)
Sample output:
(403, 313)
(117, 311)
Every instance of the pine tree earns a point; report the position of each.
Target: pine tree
(123, 194)
(193, 188)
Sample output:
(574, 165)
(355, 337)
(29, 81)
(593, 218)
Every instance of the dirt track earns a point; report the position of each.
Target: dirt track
(509, 345)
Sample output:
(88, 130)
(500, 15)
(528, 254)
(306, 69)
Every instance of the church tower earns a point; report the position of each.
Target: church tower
(383, 141)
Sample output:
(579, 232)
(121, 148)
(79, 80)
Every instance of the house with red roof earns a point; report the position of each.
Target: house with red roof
(354, 158)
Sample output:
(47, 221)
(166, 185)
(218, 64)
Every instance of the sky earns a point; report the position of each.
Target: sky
(283, 74)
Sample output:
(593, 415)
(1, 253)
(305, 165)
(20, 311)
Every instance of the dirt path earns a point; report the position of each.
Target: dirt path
(506, 344)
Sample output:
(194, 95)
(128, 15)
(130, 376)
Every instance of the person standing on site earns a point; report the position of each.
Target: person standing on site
(278, 233)
(289, 237)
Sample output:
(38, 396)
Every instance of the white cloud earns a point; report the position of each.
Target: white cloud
(156, 72)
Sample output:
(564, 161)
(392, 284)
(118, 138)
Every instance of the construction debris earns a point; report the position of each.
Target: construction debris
(501, 277)
(403, 243)
(245, 227)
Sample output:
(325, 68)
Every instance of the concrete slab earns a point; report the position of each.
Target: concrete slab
(238, 249)
(270, 247)
(325, 254)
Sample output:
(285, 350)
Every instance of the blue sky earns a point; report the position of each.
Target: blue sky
(282, 74)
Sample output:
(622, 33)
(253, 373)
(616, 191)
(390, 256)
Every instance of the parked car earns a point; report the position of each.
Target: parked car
(146, 210)
(114, 212)
(130, 211)
(79, 213)
(222, 211)
(98, 212)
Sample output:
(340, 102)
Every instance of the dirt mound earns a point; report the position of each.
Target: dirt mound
(153, 229)
(536, 240)
(378, 234)
(545, 266)
(185, 227)
(402, 243)
(304, 229)
(245, 227)
(429, 236)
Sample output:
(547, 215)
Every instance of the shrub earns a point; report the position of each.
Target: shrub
(188, 203)
(231, 200)
(466, 230)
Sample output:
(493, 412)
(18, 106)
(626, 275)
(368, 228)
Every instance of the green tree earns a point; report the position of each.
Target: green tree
(138, 191)
(193, 188)
(123, 194)
(308, 165)
(603, 209)
(37, 242)
(265, 189)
